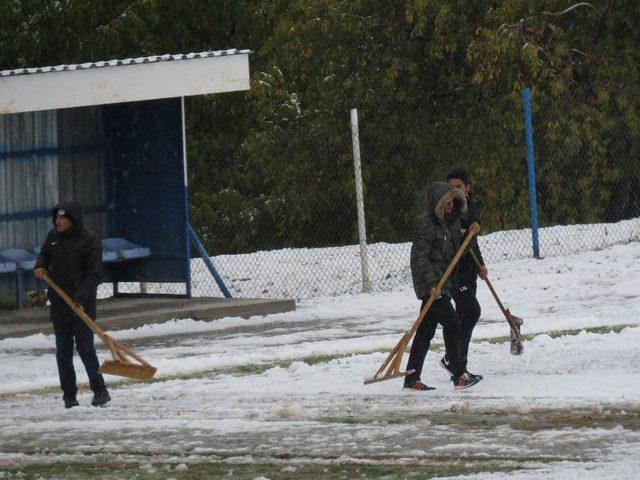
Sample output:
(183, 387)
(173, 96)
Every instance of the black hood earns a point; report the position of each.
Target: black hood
(73, 212)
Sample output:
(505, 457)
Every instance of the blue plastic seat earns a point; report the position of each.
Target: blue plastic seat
(22, 258)
(109, 256)
(7, 266)
(124, 249)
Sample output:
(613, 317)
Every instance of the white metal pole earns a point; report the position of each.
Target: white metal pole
(362, 232)
(184, 141)
(186, 200)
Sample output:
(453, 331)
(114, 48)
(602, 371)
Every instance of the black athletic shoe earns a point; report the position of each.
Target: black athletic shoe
(465, 381)
(70, 402)
(444, 363)
(418, 385)
(100, 399)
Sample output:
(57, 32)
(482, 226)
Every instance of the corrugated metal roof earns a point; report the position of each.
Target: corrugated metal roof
(126, 61)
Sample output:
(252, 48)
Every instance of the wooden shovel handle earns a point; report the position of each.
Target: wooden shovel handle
(472, 230)
(398, 350)
(118, 350)
(76, 308)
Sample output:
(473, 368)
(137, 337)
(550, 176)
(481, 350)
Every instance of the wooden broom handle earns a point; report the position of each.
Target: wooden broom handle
(473, 229)
(505, 311)
(493, 291)
(76, 308)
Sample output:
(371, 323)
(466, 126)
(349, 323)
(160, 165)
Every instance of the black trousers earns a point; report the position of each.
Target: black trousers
(468, 310)
(441, 312)
(66, 334)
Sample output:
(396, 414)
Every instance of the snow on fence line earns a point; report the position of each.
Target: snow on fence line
(312, 272)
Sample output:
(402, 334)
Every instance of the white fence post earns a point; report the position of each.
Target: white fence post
(362, 232)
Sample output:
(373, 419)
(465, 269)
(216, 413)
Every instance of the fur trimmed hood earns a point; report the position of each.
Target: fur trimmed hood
(439, 194)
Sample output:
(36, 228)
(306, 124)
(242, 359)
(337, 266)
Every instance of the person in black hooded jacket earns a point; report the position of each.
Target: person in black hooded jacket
(467, 306)
(72, 257)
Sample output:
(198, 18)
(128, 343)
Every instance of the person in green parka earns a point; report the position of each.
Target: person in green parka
(435, 240)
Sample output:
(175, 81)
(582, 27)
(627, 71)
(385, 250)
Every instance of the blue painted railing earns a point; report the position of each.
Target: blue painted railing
(207, 260)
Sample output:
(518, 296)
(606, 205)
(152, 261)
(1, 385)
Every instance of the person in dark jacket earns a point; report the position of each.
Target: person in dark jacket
(72, 257)
(436, 239)
(467, 306)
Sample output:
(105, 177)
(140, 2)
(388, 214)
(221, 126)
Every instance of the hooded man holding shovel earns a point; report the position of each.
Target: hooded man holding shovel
(72, 257)
(436, 238)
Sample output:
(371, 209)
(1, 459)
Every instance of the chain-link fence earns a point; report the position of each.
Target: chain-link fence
(587, 167)
(298, 236)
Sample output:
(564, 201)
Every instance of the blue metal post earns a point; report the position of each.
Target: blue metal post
(533, 201)
(207, 260)
(187, 249)
(19, 291)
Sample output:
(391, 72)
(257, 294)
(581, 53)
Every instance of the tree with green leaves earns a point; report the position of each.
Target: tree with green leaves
(437, 84)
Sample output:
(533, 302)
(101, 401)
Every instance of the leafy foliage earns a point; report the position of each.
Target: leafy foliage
(437, 84)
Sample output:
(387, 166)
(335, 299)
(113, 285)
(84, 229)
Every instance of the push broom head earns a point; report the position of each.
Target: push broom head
(516, 338)
(125, 369)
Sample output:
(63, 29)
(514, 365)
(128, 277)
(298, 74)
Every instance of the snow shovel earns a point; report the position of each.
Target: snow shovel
(514, 322)
(393, 360)
(120, 365)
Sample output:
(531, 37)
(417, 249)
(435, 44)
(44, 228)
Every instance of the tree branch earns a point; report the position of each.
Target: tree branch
(567, 10)
(118, 17)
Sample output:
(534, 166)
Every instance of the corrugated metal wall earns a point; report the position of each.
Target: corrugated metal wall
(28, 178)
(82, 172)
(46, 157)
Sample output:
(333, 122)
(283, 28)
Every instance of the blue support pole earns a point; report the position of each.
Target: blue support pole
(207, 260)
(19, 290)
(187, 249)
(533, 201)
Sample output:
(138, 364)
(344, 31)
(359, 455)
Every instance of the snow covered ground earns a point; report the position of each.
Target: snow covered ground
(282, 396)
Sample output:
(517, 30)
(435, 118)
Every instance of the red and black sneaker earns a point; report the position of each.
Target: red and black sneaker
(466, 381)
(418, 385)
(479, 377)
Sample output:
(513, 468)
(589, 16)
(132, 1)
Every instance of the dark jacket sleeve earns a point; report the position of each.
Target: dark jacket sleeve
(86, 290)
(44, 257)
(473, 215)
(423, 273)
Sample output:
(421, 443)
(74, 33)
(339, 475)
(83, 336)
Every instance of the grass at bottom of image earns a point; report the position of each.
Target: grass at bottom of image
(303, 470)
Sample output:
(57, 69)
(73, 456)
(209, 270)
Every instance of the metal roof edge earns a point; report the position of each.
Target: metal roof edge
(122, 62)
